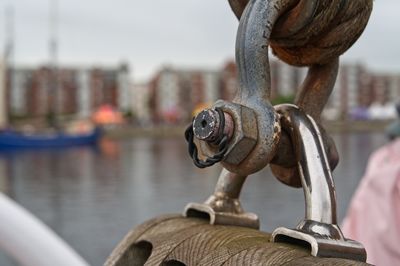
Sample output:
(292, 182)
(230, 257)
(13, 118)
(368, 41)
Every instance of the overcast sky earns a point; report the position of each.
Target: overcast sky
(151, 33)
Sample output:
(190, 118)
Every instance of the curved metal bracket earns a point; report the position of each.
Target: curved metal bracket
(319, 228)
(223, 207)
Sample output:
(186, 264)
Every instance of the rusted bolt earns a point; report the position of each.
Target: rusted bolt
(243, 138)
(209, 126)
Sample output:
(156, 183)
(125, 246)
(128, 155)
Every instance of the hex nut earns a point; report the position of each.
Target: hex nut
(245, 134)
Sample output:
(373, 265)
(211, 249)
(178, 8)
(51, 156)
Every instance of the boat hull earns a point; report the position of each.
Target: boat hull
(12, 139)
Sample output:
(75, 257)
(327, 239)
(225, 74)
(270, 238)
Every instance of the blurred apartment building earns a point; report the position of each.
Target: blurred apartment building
(71, 91)
(361, 94)
(173, 95)
(177, 93)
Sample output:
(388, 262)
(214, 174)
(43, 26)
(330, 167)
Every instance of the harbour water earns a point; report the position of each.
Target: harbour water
(92, 196)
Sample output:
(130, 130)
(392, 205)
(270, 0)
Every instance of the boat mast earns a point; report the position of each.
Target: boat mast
(7, 66)
(53, 53)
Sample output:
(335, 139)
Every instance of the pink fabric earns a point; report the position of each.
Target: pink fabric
(374, 214)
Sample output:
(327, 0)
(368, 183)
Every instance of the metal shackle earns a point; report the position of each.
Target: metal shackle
(256, 124)
(311, 96)
(256, 127)
(319, 228)
(312, 33)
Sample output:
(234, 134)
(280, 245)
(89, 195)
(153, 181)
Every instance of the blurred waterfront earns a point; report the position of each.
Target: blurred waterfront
(92, 196)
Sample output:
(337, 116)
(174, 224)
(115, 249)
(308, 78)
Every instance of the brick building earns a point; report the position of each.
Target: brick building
(35, 92)
(175, 93)
(357, 90)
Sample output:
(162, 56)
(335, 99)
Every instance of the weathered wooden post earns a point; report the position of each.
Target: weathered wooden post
(249, 133)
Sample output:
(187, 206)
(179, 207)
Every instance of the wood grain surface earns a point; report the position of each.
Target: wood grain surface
(174, 240)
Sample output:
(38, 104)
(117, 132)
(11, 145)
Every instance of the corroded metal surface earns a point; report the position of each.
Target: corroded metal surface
(207, 126)
(223, 207)
(311, 98)
(257, 128)
(245, 135)
(315, 31)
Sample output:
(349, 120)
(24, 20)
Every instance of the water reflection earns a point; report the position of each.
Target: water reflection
(93, 196)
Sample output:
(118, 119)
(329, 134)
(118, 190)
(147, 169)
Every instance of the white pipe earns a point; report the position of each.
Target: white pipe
(29, 241)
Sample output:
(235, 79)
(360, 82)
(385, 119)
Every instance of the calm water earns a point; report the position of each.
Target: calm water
(92, 196)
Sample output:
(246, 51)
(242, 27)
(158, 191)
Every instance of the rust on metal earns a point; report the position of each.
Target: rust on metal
(223, 207)
(207, 126)
(311, 98)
